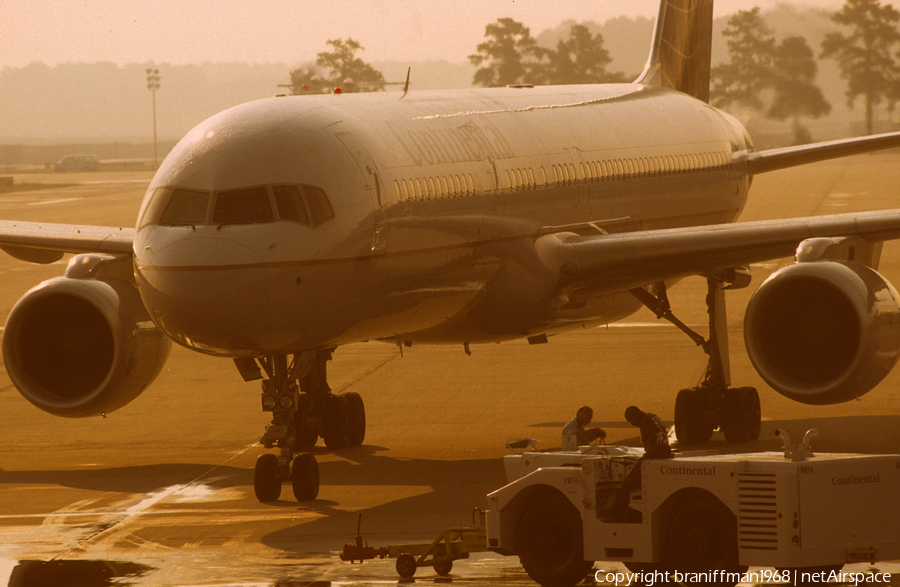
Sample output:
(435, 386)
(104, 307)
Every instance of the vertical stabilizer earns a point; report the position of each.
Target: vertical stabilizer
(682, 47)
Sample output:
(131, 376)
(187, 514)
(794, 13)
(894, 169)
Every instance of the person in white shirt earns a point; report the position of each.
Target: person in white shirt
(575, 434)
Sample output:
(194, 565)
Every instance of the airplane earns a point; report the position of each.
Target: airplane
(281, 229)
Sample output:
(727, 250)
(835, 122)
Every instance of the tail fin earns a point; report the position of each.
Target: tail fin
(682, 47)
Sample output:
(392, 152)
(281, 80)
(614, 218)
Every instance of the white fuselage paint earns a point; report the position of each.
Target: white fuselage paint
(438, 201)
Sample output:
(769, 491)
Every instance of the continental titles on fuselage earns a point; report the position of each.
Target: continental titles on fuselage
(469, 142)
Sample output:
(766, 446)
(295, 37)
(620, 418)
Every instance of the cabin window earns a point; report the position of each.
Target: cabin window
(185, 208)
(420, 192)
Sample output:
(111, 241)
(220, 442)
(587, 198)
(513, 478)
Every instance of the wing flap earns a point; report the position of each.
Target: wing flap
(38, 242)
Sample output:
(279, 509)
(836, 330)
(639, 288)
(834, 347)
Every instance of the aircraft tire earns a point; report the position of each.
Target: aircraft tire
(735, 415)
(306, 434)
(550, 541)
(336, 420)
(755, 412)
(357, 418)
(266, 479)
(305, 477)
(690, 425)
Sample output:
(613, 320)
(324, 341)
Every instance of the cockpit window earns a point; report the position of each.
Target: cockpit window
(320, 209)
(290, 203)
(302, 204)
(185, 207)
(245, 206)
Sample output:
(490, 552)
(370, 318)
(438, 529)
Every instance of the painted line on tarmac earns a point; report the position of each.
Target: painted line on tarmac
(48, 202)
(141, 508)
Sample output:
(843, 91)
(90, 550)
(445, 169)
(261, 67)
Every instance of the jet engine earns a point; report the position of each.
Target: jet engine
(82, 347)
(823, 332)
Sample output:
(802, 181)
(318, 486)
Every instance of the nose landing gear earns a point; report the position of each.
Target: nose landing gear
(303, 409)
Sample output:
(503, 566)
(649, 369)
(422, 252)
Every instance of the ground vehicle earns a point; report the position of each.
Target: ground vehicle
(77, 163)
(716, 514)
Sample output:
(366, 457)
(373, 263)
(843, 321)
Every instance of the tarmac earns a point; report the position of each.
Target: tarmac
(161, 491)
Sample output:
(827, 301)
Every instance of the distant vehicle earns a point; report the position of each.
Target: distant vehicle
(77, 163)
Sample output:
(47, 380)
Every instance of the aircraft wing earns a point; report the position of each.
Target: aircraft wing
(617, 262)
(38, 242)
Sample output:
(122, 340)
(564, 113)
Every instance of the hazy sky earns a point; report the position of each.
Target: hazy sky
(283, 31)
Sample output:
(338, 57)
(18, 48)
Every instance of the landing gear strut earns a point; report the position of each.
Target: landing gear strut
(303, 409)
(712, 404)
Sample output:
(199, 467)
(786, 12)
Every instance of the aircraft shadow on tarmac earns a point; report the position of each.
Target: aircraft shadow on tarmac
(364, 465)
(137, 479)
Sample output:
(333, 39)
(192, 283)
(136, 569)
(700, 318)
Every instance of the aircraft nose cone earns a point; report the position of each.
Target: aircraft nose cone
(206, 292)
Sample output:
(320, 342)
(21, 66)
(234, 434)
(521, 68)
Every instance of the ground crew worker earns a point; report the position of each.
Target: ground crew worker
(574, 433)
(655, 439)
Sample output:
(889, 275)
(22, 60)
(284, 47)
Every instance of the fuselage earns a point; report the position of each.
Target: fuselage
(304, 222)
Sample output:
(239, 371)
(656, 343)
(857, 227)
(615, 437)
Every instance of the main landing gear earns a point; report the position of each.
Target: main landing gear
(303, 409)
(713, 404)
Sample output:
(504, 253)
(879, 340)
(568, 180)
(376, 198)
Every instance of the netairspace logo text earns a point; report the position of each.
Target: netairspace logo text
(794, 577)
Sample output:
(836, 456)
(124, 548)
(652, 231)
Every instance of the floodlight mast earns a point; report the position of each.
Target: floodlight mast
(153, 85)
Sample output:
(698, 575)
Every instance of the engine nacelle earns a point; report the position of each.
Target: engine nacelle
(82, 347)
(823, 332)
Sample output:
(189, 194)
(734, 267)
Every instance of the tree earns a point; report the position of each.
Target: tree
(580, 59)
(348, 70)
(510, 55)
(796, 94)
(775, 78)
(866, 54)
(343, 69)
(751, 46)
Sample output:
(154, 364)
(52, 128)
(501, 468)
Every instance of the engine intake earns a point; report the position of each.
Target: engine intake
(823, 332)
(82, 347)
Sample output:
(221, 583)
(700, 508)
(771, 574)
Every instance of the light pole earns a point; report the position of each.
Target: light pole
(153, 85)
